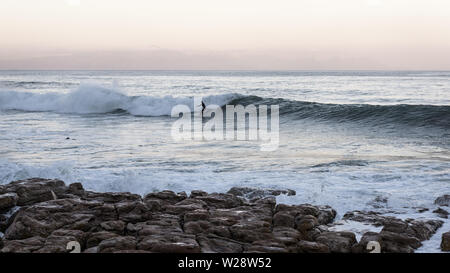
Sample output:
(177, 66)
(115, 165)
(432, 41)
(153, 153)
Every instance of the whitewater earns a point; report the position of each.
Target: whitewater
(347, 139)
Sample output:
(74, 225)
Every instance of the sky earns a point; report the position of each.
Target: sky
(225, 34)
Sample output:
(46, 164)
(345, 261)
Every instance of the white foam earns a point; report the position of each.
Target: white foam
(358, 228)
(94, 99)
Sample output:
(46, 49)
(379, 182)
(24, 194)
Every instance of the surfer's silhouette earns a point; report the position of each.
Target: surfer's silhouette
(203, 107)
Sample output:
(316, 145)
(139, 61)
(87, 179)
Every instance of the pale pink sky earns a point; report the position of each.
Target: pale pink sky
(225, 34)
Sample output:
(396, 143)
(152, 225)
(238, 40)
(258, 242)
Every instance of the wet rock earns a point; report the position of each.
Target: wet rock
(251, 231)
(117, 226)
(306, 222)
(116, 244)
(445, 244)
(243, 220)
(196, 193)
(185, 206)
(8, 201)
(133, 211)
(421, 210)
(339, 242)
(441, 213)
(254, 193)
(396, 235)
(390, 242)
(443, 200)
(7, 218)
(270, 246)
(76, 189)
(95, 238)
(221, 200)
(35, 190)
(196, 215)
(111, 197)
(362, 246)
(58, 240)
(312, 247)
(422, 230)
(398, 243)
(370, 217)
(28, 245)
(164, 197)
(287, 236)
(73, 214)
(166, 239)
(284, 219)
(216, 244)
(323, 214)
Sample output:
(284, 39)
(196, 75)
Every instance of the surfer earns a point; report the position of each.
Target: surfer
(203, 107)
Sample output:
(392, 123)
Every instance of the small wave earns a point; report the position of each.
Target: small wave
(356, 163)
(93, 99)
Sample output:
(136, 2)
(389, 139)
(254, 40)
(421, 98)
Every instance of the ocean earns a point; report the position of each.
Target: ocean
(354, 140)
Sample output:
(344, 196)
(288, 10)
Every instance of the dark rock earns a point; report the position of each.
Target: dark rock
(117, 226)
(397, 235)
(115, 244)
(166, 237)
(196, 193)
(306, 222)
(445, 244)
(422, 230)
(287, 236)
(265, 246)
(254, 193)
(8, 200)
(312, 247)
(221, 200)
(362, 246)
(58, 240)
(94, 239)
(398, 243)
(441, 213)
(76, 189)
(369, 217)
(165, 197)
(421, 210)
(323, 214)
(112, 197)
(133, 211)
(35, 190)
(283, 219)
(216, 244)
(339, 242)
(7, 219)
(185, 206)
(250, 231)
(28, 245)
(443, 200)
(73, 214)
(42, 215)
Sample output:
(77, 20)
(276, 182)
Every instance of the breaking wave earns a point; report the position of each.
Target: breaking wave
(92, 99)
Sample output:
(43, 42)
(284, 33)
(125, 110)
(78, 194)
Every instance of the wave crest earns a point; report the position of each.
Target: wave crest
(93, 99)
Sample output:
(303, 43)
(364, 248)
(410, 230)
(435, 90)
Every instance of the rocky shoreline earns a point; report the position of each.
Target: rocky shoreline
(43, 216)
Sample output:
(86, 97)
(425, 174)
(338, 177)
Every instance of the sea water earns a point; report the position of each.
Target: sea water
(354, 140)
